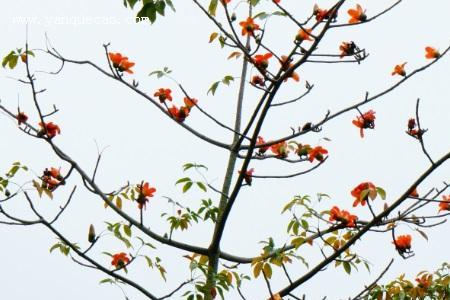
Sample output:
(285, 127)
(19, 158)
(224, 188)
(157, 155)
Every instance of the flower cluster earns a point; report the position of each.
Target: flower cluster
(121, 63)
(362, 192)
(357, 15)
(444, 205)
(399, 70)
(347, 49)
(249, 26)
(322, 14)
(403, 244)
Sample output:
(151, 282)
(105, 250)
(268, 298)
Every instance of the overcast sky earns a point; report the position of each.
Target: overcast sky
(143, 144)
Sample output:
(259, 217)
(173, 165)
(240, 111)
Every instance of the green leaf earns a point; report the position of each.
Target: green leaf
(187, 186)
(181, 180)
(170, 4)
(187, 166)
(347, 267)
(227, 79)
(212, 7)
(55, 246)
(201, 186)
(13, 62)
(131, 3)
(213, 88)
(213, 36)
(106, 280)
(262, 15)
(381, 192)
(148, 11)
(127, 230)
(149, 261)
(160, 7)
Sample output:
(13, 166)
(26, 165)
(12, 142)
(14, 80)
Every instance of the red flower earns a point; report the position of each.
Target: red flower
(120, 62)
(163, 94)
(280, 149)
(445, 204)
(146, 192)
(322, 14)
(248, 176)
(431, 53)
(262, 60)
(316, 153)
(303, 35)
(343, 217)
(402, 243)
(358, 190)
(257, 80)
(414, 193)
(179, 114)
(190, 102)
(285, 65)
(21, 117)
(50, 128)
(276, 1)
(261, 141)
(347, 49)
(399, 69)
(364, 121)
(413, 131)
(119, 260)
(357, 15)
(424, 281)
(226, 1)
(248, 26)
(51, 178)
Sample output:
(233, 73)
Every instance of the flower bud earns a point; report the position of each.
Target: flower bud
(91, 235)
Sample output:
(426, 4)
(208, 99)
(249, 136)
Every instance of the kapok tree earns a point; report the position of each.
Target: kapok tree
(328, 227)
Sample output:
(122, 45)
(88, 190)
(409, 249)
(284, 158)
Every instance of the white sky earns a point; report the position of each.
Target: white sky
(143, 144)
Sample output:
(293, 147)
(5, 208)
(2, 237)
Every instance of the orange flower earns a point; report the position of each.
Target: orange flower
(445, 204)
(190, 102)
(280, 149)
(347, 49)
(119, 260)
(248, 176)
(163, 94)
(359, 189)
(413, 131)
(21, 117)
(357, 15)
(145, 192)
(303, 35)
(414, 193)
(322, 14)
(317, 153)
(285, 65)
(261, 141)
(276, 1)
(257, 80)
(179, 114)
(399, 69)
(343, 217)
(367, 120)
(121, 63)
(262, 60)
(424, 281)
(303, 150)
(50, 128)
(431, 53)
(52, 178)
(249, 27)
(402, 243)
(226, 1)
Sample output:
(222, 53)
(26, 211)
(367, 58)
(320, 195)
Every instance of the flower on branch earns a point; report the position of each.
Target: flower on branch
(399, 70)
(190, 102)
(262, 60)
(49, 128)
(21, 117)
(121, 63)
(249, 26)
(322, 14)
(347, 48)
(145, 192)
(248, 176)
(357, 15)
(343, 217)
(280, 149)
(51, 178)
(285, 65)
(163, 94)
(261, 141)
(257, 80)
(179, 114)
(364, 121)
(120, 260)
(403, 243)
(303, 35)
(413, 130)
(317, 153)
(431, 53)
(362, 192)
(444, 205)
